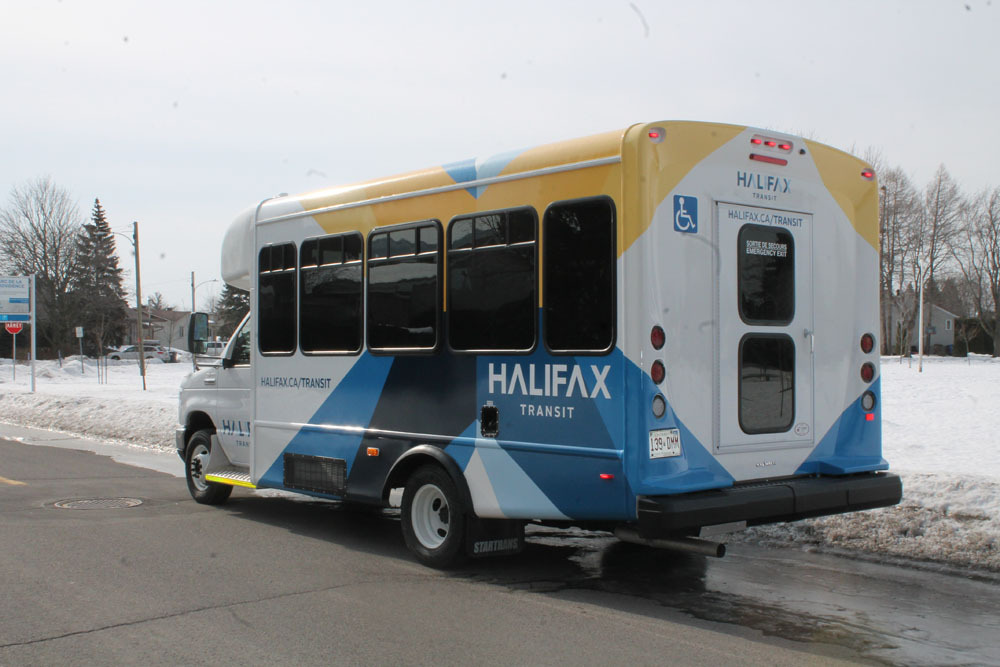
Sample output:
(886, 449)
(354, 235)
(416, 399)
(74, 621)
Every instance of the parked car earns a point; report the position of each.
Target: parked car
(151, 350)
(215, 348)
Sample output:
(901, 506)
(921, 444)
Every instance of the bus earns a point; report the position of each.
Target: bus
(667, 332)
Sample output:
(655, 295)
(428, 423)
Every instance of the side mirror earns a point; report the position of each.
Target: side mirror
(197, 333)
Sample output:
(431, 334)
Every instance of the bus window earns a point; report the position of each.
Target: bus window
(767, 383)
(766, 270)
(492, 281)
(276, 299)
(404, 287)
(330, 294)
(579, 276)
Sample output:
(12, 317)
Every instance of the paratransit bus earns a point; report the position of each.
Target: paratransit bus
(666, 332)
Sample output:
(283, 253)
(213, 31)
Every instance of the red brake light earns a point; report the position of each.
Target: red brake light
(867, 343)
(757, 141)
(868, 372)
(657, 372)
(657, 338)
(780, 161)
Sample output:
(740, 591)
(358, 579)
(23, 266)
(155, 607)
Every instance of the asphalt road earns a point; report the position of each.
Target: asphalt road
(275, 581)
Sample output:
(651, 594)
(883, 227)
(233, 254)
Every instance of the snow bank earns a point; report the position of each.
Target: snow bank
(941, 433)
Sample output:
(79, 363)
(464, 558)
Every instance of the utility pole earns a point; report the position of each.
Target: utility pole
(138, 305)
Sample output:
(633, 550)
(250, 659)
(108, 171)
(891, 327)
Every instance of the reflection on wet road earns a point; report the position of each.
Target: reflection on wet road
(885, 613)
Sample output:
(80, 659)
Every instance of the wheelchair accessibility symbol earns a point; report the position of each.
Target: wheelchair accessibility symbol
(686, 214)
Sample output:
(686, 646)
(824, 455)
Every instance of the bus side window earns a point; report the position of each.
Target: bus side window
(492, 301)
(404, 287)
(330, 289)
(579, 276)
(276, 299)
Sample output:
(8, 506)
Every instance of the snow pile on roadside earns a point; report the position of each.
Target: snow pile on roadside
(941, 431)
(71, 400)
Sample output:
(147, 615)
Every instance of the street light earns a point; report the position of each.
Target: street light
(193, 287)
(138, 300)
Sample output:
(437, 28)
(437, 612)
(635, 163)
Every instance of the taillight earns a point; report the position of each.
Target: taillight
(657, 337)
(868, 401)
(867, 343)
(868, 372)
(657, 372)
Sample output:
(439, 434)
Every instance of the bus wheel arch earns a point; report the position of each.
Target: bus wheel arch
(419, 456)
(196, 421)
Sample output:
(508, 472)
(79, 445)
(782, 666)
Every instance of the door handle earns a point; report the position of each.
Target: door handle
(811, 335)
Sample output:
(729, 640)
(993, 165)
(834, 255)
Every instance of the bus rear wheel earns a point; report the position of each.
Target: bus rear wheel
(195, 463)
(433, 518)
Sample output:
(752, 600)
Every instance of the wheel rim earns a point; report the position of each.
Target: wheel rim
(430, 516)
(197, 467)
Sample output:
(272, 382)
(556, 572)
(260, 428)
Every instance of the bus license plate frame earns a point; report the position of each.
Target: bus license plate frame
(664, 443)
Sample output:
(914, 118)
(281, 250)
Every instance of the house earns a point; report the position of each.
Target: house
(939, 329)
(169, 327)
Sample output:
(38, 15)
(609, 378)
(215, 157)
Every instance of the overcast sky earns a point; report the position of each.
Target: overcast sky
(181, 114)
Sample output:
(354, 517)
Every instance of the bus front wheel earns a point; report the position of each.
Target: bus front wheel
(433, 518)
(195, 463)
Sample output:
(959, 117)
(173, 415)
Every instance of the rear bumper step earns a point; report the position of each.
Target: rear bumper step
(767, 502)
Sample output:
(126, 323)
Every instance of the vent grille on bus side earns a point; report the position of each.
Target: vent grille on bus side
(315, 473)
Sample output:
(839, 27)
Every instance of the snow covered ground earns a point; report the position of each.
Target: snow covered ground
(941, 433)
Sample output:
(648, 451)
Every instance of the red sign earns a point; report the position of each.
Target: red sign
(14, 327)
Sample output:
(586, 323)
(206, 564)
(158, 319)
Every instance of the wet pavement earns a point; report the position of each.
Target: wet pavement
(886, 613)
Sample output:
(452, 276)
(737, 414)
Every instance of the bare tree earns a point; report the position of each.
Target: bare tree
(38, 231)
(158, 302)
(899, 211)
(977, 253)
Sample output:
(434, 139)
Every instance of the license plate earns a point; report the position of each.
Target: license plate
(664, 443)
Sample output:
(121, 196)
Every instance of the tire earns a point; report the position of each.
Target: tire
(115, 357)
(433, 518)
(195, 460)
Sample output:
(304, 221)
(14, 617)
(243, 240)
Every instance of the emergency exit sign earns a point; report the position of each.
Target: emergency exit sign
(15, 298)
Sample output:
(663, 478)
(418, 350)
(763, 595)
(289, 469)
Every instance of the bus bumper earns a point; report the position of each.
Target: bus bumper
(766, 502)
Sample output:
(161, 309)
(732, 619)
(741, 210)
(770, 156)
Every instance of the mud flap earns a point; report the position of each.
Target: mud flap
(493, 537)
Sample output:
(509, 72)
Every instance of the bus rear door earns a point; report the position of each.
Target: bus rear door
(764, 392)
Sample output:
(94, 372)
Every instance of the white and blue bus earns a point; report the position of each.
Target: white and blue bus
(666, 332)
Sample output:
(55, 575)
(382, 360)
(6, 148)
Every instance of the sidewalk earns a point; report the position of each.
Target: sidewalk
(133, 455)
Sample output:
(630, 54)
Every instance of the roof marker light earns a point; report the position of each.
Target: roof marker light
(868, 174)
(756, 141)
(606, 476)
(656, 134)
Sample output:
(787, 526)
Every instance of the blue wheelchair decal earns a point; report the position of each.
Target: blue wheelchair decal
(686, 214)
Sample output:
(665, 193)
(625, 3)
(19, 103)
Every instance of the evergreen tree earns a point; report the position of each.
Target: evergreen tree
(233, 306)
(97, 284)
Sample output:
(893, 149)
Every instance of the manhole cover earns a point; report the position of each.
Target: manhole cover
(97, 503)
